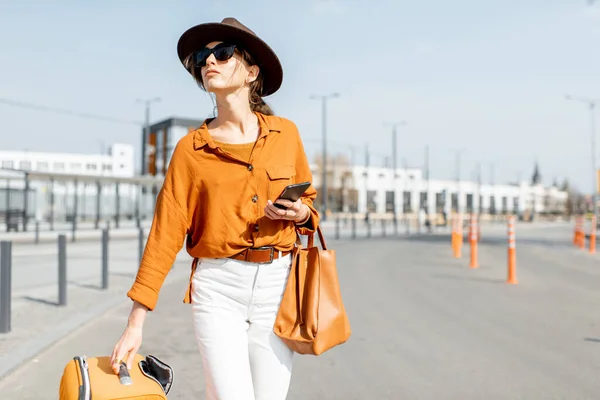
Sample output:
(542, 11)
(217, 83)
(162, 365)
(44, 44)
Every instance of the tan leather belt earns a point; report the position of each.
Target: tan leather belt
(259, 255)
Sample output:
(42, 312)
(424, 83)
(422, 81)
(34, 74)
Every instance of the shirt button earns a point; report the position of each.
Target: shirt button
(250, 167)
(254, 198)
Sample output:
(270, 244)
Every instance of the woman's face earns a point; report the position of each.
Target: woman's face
(227, 74)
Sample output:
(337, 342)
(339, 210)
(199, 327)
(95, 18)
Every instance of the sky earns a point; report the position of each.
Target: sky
(486, 79)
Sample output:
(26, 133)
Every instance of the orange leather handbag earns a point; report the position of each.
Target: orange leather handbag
(312, 318)
(86, 378)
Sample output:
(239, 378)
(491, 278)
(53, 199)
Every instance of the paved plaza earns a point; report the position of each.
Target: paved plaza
(425, 325)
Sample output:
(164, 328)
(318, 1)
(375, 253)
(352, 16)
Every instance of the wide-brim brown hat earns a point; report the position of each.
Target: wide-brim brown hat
(230, 30)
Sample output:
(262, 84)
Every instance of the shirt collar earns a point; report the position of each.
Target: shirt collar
(266, 123)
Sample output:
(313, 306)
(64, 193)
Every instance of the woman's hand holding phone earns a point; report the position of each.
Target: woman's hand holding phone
(294, 210)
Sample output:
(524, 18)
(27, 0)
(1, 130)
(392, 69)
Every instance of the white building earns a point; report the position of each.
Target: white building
(118, 162)
(360, 189)
(68, 185)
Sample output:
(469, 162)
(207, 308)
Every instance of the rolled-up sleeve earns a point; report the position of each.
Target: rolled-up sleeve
(303, 174)
(174, 210)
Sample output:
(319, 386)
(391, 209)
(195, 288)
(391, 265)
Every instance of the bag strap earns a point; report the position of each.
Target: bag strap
(321, 239)
(300, 272)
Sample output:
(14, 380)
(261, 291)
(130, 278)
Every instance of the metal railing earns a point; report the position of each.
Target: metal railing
(6, 269)
(52, 199)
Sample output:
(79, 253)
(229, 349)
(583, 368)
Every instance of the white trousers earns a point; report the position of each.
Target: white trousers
(234, 305)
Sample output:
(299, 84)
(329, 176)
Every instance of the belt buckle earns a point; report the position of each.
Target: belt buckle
(271, 255)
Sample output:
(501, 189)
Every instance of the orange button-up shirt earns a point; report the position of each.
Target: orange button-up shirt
(217, 201)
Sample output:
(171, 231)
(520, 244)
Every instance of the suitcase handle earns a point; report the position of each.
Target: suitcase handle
(124, 376)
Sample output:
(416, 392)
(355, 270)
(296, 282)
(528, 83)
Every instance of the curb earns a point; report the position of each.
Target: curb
(11, 361)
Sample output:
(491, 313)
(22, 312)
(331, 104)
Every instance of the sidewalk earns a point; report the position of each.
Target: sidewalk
(37, 321)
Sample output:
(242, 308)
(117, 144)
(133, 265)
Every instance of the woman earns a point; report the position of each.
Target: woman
(218, 195)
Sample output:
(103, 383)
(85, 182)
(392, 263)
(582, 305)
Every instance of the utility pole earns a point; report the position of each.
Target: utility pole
(493, 188)
(427, 177)
(479, 205)
(458, 154)
(366, 175)
(324, 99)
(395, 126)
(147, 104)
(591, 104)
(405, 189)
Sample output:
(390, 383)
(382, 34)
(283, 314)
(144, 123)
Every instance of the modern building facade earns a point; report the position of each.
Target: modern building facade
(377, 190)
(119, 161)
(159, 141)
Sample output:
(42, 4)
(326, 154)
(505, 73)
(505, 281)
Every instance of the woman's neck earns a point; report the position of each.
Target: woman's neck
(234, 113)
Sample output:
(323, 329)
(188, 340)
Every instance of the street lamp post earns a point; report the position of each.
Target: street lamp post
(146, 135)
(394, 126)
(324, 99)
(147, 103)
(458, 154)
(591, 103)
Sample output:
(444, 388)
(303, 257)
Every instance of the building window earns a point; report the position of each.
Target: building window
(470, 203)
(371, 202)
(25, 165)
(91, 167)
(454, 202)
(390, 201)
(423, 201)
(107, 167)
(440, 201)
(121, 166)
(42, 166)
(76, 167)
(59, 166)
(492, 205)
(7, 164)
(406, 202)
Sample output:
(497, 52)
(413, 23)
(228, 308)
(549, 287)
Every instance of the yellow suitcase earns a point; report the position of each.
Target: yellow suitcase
(87, 378)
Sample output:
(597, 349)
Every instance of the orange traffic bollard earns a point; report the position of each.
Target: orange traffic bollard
(593, 235)
(579, 239)
(576, 233)
(581, 242)
(512, 255)
(459, 237)
(473, 238)
(453, 238)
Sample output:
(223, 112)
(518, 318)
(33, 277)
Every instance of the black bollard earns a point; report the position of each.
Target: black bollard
(62, 270)
(5, 285)
(104, 258)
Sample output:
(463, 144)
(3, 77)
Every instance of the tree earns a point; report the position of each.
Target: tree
(337, 173)
(576, 202)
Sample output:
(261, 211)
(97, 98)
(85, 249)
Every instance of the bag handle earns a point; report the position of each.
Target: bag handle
(300, 272)
(321, 239)
(300, 276)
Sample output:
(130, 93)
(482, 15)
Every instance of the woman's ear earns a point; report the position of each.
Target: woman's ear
(253, 72)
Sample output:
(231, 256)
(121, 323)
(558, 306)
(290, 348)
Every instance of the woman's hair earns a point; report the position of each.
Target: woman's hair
(256, 87)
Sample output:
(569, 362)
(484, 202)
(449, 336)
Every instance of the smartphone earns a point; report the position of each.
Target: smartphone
(292, 193)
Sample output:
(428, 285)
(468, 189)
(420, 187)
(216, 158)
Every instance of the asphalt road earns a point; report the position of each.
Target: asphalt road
(425, 326)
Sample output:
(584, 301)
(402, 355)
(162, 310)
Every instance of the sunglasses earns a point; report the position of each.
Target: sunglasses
(222, 52)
